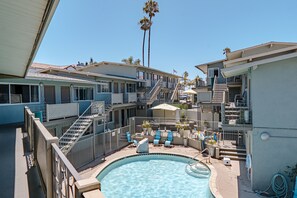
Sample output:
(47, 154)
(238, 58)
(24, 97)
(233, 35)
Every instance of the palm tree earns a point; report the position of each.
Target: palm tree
(131, 61)
(185, 78)
(150, 7)
(145, 25)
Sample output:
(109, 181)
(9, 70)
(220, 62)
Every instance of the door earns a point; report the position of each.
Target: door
(116, 119)
(65, 94)
(123, 117)
(49, 95)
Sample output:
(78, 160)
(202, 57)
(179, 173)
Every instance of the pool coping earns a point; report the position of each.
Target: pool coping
(212, 180)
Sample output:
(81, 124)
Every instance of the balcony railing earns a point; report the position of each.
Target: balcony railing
(117, 98)
(57, 111)
(204, 96)
(132, 97)
(59, 177)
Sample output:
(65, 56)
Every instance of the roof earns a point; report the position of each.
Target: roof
(265, 47)
(203, 67)
(241, 65)
(56, 78)
(126, 65)
(23, 25)
(82, 73)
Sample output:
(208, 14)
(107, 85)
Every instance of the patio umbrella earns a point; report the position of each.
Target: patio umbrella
(165, 107)
(190, 91)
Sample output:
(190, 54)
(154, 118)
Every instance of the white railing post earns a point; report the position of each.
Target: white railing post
(47, 112)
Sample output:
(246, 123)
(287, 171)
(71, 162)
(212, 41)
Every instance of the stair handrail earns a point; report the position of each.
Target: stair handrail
(174, 92)
(156, 85)
(76, 121)
(193, 158)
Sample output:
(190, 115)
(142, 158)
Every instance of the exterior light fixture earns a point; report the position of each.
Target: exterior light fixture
(264, 136)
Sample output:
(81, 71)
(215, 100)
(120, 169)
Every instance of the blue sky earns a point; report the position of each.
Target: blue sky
(184, 33)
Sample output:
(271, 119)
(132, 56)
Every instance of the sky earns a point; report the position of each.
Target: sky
(184, 33)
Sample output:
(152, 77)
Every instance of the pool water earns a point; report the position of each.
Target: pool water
(152, 176)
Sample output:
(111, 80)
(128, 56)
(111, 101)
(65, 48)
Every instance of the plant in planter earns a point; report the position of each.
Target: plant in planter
(146, 126)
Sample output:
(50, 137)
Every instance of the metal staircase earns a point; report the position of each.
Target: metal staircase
(76, 130)
(174, 93)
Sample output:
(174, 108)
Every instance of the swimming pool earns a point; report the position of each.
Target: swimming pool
(155, 175)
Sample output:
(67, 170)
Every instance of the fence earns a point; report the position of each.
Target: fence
(94, 146)
(58, 176)
(191, 126)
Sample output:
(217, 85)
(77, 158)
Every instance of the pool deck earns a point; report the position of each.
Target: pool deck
(225, 181)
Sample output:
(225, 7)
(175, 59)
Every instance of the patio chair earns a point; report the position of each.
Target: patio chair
(169, 139)
(157, 138)
(135, 143)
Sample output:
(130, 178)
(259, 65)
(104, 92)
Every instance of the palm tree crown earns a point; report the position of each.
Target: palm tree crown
(145, 25)
(150, 7)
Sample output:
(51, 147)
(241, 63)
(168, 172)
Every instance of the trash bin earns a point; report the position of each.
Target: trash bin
(38, 114)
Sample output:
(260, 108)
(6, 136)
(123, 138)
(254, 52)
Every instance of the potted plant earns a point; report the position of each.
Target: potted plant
(146, 127)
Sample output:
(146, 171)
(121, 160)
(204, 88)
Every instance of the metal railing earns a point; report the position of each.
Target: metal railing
(57, 174)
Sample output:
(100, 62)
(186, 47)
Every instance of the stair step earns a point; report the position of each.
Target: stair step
(233, 157)
(232, 153)
(233, 149)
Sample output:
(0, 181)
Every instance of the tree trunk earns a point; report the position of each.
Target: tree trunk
(143, 43)
(149, 45)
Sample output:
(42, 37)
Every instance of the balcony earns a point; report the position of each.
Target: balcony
(117, 98)
(132, 97)
(59, 111)
(204, 96)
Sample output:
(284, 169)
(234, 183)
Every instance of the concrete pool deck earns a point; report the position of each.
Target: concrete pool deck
(226, 181)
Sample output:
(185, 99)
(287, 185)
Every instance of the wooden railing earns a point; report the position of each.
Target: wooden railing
(58, 176)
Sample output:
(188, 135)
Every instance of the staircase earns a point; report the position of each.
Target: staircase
(197, 170)
(235, 114)
(233, 153)
(76, 130)
(218, 92)
(174, 93)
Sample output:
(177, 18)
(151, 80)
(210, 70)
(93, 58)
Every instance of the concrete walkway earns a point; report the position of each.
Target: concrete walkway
(17, 179)
(229, 182)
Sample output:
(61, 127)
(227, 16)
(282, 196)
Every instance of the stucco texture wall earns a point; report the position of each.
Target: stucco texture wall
(274, 94)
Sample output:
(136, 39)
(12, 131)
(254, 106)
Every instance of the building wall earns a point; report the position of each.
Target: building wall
(124, 71)
(14, 113)
(275, 112)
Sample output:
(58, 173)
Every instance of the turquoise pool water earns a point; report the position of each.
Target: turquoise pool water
(152, 176)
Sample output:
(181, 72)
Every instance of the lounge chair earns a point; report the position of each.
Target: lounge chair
(135, 143)
(169, 139)
(157, 138)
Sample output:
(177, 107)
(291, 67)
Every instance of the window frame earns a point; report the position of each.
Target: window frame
(74, 92)
(23, 103)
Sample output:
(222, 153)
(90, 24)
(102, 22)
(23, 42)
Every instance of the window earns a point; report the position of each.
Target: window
(4, 94)
(110, 116)
(14, 94)
(122, 88)
(19, 94)
(83, 93)
(104, 87)
(131, 88)
(34, 93)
